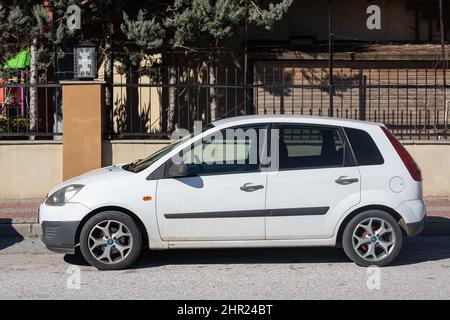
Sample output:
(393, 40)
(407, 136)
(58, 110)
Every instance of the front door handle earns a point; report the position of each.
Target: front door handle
(344, 180)
(249, 187)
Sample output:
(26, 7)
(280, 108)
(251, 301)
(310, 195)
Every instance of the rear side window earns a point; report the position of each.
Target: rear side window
(309, 147)
(364, 148)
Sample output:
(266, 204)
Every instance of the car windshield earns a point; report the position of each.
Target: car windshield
(142, 164)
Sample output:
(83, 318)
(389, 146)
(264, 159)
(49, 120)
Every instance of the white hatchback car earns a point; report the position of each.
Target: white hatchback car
(251, 181)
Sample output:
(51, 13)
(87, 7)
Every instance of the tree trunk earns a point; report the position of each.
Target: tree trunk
(171, 110)
(212, 89)
(33, 90)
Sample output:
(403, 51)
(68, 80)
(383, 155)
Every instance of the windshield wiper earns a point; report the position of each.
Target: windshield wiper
(131, 166)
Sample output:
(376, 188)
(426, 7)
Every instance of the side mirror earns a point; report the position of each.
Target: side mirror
(178, 170)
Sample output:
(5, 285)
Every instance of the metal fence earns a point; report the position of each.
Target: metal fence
(29, 111)
(31, 103)
(412, 102)
(149, 103)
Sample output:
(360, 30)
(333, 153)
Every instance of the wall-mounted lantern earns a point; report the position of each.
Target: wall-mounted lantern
(85, 61)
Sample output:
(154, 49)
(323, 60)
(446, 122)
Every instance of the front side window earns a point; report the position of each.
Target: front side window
(309, 147)
(233, 150)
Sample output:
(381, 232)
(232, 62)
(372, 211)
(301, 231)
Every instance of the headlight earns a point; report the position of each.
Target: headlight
(60, 197)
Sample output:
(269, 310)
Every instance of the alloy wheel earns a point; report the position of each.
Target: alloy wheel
(373, 239)
(110, 241)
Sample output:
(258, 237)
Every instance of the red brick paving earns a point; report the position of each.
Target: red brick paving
(438, 203)
(22, 211)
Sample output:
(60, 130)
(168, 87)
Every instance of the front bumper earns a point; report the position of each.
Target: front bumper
(60, 224)
(59, 236)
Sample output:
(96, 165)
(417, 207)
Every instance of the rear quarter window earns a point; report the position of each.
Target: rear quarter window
(364, 148)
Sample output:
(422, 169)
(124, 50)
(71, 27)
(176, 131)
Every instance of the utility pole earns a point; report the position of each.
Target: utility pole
(444, 58)
(330, 57)
(443, 51)
(246, 56)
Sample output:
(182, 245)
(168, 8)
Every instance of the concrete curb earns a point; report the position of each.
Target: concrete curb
(24, 230)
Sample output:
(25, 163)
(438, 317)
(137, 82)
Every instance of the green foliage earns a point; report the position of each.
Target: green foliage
(204, 19)
(3, 124)
(17, 124)
(146, 33)
(24, 23)
(268, 17)
(145, 26)
(215, 20)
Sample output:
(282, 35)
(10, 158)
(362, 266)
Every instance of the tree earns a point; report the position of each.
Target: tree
(145, 37)
(140, 30)
(213, 21)
(147, 34)
(26, 25)
(102, 21)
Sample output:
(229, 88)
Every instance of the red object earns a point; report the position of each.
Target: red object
(407, 159)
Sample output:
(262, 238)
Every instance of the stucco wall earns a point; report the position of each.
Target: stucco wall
(31, 169)
(434, 161)
(121, 151)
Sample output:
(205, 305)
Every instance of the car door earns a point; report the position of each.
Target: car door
(316, 180)
(223, 195)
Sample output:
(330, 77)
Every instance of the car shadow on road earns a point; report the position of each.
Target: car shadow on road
(416, 250)
(9, 235)
(424, 249)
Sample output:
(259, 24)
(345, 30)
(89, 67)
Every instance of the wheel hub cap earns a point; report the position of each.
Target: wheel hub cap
(110, 241)
(373, 239)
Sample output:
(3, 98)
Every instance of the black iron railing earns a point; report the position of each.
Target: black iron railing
(414, 103)
(149, 103)
(30, 111)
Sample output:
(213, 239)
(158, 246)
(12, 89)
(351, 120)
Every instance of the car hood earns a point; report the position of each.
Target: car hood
(90, 177)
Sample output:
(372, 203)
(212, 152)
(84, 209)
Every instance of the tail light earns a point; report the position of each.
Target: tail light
(407, 159)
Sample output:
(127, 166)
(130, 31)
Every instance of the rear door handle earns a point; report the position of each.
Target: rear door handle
(344, 180)
(249, 187)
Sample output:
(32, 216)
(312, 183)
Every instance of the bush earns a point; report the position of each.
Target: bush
(16, 125)
(3, 124)
(19, 124)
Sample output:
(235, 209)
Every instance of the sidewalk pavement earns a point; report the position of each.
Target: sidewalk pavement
(19, 217)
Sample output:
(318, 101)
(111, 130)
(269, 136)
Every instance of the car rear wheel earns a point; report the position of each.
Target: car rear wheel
(371, 238)
(110, 240)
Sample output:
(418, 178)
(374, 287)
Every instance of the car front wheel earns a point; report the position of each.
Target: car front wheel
(371, 238)
(110, 240)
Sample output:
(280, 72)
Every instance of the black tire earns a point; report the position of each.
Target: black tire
(395, 236)
(133, 238)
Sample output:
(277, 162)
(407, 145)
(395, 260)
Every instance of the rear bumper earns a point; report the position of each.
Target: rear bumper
(59, 236)
(414, 228)
(413, 213)
(412, 210)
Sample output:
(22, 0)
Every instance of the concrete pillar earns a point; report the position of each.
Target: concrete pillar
(83, 107)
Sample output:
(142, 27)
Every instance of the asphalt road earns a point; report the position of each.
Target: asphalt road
(29, 271)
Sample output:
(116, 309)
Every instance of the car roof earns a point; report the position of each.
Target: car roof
(240, 120)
